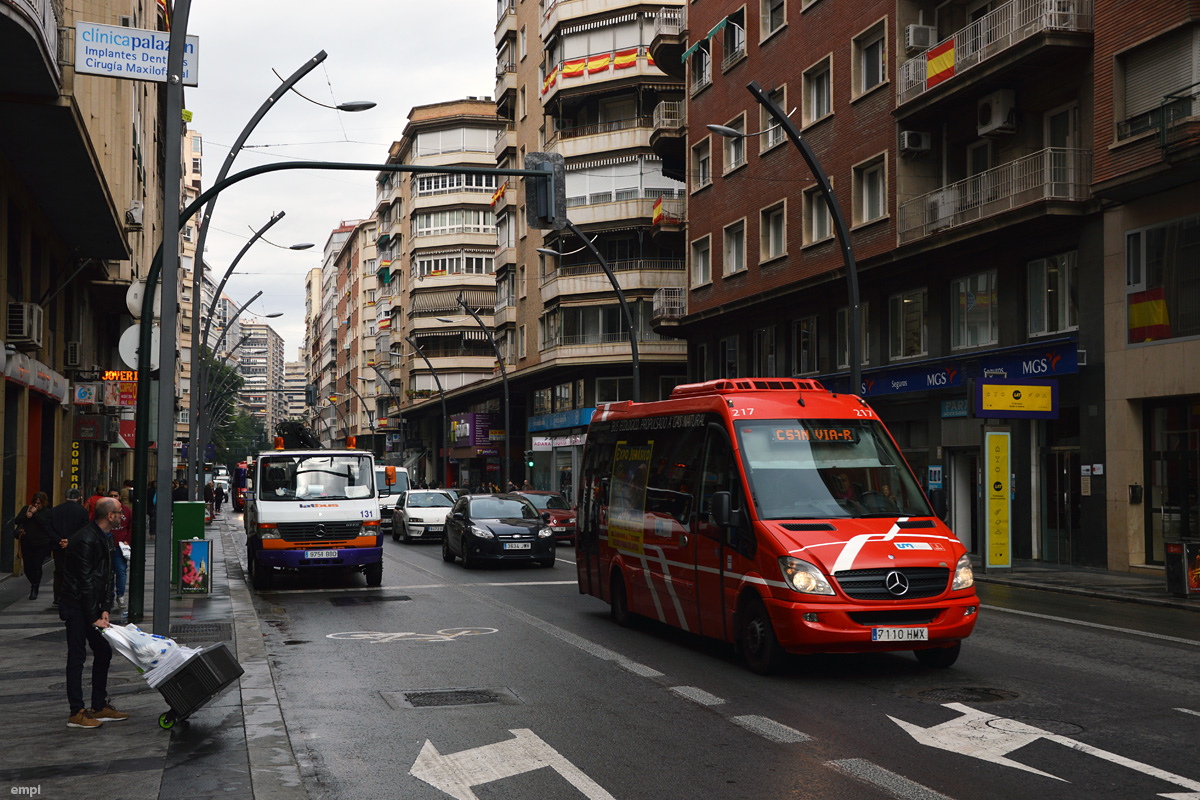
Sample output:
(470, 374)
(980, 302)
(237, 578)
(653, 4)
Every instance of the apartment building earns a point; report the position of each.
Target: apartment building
(325, 369)
(354, 343)
(312, 326)
(261, 368)
(193, 162)
(294, 383)
(68, 257)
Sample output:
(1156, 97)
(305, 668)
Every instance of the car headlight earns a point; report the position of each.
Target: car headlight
(482, 533)
(544, 532)
(570, 521)
(964, 576)
(804, 577)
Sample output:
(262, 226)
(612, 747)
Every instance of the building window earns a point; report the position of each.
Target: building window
(818, 225)
(804, 346)
(701, 68)
(733, 39)
(727, 357)
(196, 165)
(521, 44)
(701, 263)
(772, 16)
(843, 335)
(701, 164)
(774, 130)
(734, 147)
(974, 313)
(1053, 294)
(764, 352)
(197, 145)
(734, 260)
(521, 103)
(521, 280)
(1163, 281)
(541, 402)
(870, 59)
(183, 417)
(1152, 72)
(612, 390)
(818, 84)
(562, 397)
(906, 313)
(521, 342)
(772, 226)
(870, 191)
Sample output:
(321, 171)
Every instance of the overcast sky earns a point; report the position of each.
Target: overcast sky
(397, 53)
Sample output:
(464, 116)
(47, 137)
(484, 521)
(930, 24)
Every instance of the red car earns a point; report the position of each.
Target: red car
(562, 513)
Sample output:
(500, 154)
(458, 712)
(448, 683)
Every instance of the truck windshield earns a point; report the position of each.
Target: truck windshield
(823, 469)
(316, 477)
(401, 484)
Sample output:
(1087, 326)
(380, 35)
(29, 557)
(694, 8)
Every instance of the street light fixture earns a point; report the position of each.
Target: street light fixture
(352, 106)
(297, 246)
(445, 419)
(590, 244)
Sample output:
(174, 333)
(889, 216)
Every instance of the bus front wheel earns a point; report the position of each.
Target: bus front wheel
(760, 649)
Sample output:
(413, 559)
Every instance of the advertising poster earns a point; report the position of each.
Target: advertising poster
(1193, 568)
(627, 498)
(195, 561)
(999, 502)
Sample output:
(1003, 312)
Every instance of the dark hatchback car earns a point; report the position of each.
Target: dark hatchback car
(497, 527)
(562, 514)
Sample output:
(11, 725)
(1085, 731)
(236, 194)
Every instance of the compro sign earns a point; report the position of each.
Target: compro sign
(132, 53)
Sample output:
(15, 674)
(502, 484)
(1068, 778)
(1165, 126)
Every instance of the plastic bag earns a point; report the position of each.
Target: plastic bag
(126, 551)
(145, 650)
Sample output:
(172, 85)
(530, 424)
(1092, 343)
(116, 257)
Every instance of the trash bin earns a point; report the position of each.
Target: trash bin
(1182, 566)
(188, 523)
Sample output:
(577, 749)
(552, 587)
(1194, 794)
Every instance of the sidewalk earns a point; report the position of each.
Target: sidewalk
(235, 746)
(1088, 582)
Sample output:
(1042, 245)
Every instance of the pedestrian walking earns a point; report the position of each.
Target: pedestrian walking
(527, 486)
(99, 494)
(218, 496)
(180, 492)
(209, 498)
(122, 533)
(63, 520)
(86, 600)
(35, 539)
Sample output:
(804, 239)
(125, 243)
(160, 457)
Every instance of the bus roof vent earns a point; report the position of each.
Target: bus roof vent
(748, 385)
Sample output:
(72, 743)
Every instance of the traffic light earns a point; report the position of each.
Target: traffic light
(546, 198)
(310, 394)
(529, 458)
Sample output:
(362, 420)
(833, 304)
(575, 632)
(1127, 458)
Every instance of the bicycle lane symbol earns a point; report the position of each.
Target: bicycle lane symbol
(444, 635)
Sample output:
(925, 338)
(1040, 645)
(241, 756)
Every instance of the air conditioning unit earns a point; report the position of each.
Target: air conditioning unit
(72, 360)
(919, 37)
(940, 209)
(913, 142)
(997, 113)
(133, 216)
(24, 325)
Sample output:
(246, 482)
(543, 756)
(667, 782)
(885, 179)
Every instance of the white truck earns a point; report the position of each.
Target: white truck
(307, 509)
(390, 483)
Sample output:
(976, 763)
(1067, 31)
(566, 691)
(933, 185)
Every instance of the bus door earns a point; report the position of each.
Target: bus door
(716, 549)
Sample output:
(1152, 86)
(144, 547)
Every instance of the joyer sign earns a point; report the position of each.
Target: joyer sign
(132, 53)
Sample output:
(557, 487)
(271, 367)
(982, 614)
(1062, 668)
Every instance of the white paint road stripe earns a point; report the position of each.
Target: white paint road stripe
(1188, 711)
(895, 785)
(697, 695)
(1162, 637)
(770, 729)
(420, 586)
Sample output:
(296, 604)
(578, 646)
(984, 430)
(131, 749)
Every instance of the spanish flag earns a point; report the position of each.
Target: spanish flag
(551, 79)
(385, 323)
(625, 59)
(1148, 319)
(499, 193)
(649, 59)
(598, 63)
(939, 63)
(162, 6)
(657, 216)
(574, 68)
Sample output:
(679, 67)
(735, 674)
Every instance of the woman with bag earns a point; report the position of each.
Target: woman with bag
(35, 541)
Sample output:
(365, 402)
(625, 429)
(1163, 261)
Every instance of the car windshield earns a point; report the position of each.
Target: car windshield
(822, 469)
(429, 500)
(315, 477)
(544, 501)
(502, 508)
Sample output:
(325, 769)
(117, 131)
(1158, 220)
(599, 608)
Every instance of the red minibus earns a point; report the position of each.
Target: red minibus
(772, 514)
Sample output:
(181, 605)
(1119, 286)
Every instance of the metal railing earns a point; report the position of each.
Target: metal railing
(734, 54)
(703, 77)
(670, 114)
(668, 22)
(622, 265)
(992, 34)
(1180, 115)
(600, 127)
(1056, 173)
(504, 68)
(616, 337)
(670, 302)
(599, 198)
(674, 210)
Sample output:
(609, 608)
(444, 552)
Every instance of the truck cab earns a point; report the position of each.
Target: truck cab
(390, 483)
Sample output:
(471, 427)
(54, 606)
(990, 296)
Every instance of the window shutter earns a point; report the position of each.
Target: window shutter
(1157, 69)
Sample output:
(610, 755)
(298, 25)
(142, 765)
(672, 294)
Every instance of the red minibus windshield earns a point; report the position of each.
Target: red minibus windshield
(826, 469)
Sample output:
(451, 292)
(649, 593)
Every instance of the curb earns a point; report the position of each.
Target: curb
(1182, 605)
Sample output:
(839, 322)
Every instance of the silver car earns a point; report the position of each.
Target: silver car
(421, 514)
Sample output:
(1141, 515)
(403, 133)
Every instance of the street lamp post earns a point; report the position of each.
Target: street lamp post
(839, 220)
(633, 347)
(445, 418)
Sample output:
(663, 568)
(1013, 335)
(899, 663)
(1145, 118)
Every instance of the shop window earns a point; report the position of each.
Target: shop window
(974, 310)
(700, 363)
(612, 390)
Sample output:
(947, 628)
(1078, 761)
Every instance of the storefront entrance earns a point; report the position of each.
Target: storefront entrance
(1172, 474)
(965, 498)
(1060, 534)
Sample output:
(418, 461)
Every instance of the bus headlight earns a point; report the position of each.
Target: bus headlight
(804, 577)
(964, 577)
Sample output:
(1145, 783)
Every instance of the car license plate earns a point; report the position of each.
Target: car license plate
(320, 553)
(434, 528)
(899, 634)
(517, 546)
(559, 529)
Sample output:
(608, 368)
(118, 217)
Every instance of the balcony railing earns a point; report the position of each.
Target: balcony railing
(735, 53)
(670, 114)
(623, 265)
(670, 302)
(674, 211)
(504, 68)
(701, 77)
(668, 22)
(600, 127)
(615, 337)
(45, 16)
(1055, 173)
(1181, 118)
(1008, 25)
(597, 198)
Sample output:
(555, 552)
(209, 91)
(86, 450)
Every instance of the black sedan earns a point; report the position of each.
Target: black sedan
(497, 527)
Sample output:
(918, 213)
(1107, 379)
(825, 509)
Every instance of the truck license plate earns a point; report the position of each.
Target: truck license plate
(320, 553)
(517, 546)
(899, 634)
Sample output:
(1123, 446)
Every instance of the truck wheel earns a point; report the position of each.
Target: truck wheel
(261, 577)
(619, 609)
(447, 554)
(374, 573)
(940, 657)
(760, 648)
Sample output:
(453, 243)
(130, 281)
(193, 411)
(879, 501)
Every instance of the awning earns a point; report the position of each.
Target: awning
(591, 26)
(715, 30)
(447, 300)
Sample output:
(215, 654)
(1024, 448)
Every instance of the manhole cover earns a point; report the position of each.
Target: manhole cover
(364, 599)
(296, 641)
(202, 631)
(966, 694)
(1017, 725)
(451, 697)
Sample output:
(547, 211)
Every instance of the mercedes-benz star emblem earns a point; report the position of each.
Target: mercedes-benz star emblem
(896, 583)
(321, 534)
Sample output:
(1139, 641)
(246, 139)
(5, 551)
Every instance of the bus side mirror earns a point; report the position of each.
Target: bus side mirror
(938, 498)
(720, 509)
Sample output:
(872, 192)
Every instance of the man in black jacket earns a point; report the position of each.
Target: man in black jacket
(87, 597)
(61, 521)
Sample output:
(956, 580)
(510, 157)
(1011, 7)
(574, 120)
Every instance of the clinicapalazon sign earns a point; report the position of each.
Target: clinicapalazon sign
(131, 53)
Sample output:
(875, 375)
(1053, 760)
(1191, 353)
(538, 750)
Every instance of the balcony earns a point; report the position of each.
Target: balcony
(1052, 175)
(670, 303)
(632, 274)
(30, 46)
(603, 137)
(615, 67)
(557, 12)
(670, 40)
(506, 79)
(605, 207)
(506, 20)
(669, 137)
(670, 221)
(994, 41)
(592, 347)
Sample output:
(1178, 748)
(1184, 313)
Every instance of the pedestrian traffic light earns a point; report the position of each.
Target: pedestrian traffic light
(529, 458)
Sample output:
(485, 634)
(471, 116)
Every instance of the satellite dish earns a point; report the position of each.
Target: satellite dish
(137, 294)
(128, 346)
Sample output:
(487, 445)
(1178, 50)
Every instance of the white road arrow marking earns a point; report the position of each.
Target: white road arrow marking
(456, 773)
(991, 738)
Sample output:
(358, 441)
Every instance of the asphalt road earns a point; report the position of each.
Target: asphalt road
(548, 698)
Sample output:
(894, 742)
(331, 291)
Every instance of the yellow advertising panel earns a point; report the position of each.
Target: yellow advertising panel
(998, 508)
(1002, 398)
(627, 496)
